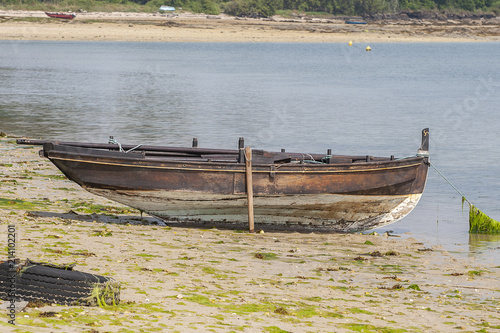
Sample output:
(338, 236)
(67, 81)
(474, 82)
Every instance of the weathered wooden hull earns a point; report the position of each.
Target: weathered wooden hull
(334, 212)
(340, 197)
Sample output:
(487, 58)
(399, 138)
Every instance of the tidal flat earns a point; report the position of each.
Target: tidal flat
(179, 279)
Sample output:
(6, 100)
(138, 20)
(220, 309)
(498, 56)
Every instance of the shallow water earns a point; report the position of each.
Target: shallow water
(302, 97)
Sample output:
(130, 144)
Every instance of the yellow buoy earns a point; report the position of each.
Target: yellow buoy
(368, 48)
(350, 43)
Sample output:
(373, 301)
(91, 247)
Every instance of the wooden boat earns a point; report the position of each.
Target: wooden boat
(291, 190)
(355, 22)
(167, 8)
(61, 15)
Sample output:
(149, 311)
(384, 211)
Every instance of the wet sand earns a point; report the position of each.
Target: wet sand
(180, 279)
(186, 27)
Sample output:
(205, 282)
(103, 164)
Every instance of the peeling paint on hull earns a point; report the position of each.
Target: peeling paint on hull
(342, 213)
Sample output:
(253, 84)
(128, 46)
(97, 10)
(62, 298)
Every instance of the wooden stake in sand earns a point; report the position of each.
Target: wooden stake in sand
(248, 171)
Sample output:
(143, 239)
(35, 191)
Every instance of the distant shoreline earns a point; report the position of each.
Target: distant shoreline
(187, 27)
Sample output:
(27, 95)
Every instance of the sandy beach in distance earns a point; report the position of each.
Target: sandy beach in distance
(186, 27)
(178, 279)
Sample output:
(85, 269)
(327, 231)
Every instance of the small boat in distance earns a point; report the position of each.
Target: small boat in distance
(355, 22)
(291, 191)
(61, 15)
(167, 8)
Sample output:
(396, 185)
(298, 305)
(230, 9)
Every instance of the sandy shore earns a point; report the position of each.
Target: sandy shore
(197, 280)
(185, 27)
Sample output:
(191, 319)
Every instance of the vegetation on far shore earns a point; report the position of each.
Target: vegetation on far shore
(267, 8)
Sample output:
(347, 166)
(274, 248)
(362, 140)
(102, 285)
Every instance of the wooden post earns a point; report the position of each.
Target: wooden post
(248, 171)
(241, 150)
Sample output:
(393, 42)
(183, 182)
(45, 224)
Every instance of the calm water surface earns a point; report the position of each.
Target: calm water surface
(302, 97)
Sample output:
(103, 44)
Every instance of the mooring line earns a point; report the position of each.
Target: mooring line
(456, 189)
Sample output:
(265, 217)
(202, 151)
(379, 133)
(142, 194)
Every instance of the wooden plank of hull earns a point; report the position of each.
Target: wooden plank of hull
(335, 212)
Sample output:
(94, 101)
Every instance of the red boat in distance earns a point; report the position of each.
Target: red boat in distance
(61, 15)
